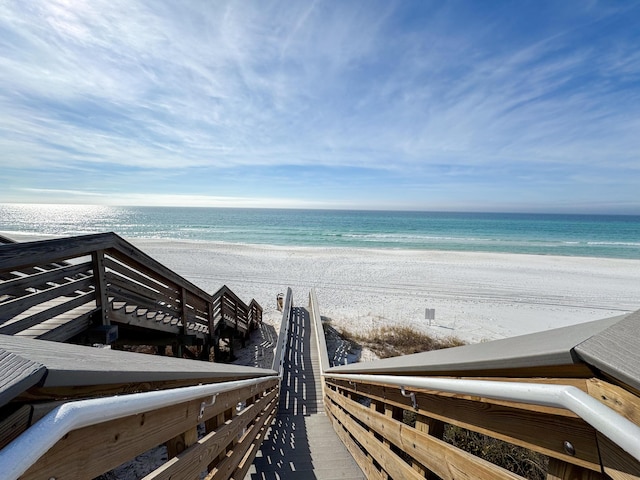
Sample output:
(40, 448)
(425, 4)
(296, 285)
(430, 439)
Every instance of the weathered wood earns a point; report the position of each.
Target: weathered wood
(100, 284)
(365, 463)
(192, 461)
(125, 271)
(26, 254)
(144, 263)
(140, 299)
(391, 463)
(121, 317)
(443, 459)
(151, 297)
(178, 444)
(559, 470)
(13, 307)
(432, 427)
(66, 325)
(244, 465)
(228, 465)
(536, 431)
(14, 424)
(59, 307)
(622, 401)
(617, 463)
(91, 451)
(580, 383)
(17, 286)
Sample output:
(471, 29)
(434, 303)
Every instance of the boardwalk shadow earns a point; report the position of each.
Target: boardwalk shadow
(285, 452)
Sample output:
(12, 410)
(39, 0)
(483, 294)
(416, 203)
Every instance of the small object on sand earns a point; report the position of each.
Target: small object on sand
(280, 301)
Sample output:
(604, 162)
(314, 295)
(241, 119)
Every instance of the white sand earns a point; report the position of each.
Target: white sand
(477, 296)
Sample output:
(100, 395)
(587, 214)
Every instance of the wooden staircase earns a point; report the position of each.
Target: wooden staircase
(101, 289)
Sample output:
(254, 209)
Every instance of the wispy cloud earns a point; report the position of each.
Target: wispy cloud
(393, 93)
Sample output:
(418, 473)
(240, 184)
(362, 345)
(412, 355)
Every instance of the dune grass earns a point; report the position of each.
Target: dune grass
(392, 341)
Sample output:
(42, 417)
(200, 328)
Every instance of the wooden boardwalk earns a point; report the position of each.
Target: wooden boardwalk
(301, 443)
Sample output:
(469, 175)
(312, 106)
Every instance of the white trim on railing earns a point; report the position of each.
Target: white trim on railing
(614, 426)
(24, 451)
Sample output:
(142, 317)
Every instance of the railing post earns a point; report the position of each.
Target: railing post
(183, 301)
(100, 282)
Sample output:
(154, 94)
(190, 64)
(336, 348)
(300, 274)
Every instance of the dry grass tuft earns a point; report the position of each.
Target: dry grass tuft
(393, 341)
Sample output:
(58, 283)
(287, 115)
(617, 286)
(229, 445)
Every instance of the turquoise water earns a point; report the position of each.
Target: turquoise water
(571, 235)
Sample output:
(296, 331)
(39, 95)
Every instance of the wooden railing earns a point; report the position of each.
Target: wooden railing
(406, 432)
(58, 289)
(217, 432)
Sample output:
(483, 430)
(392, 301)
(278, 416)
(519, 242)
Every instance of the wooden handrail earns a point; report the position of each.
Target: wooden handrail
(229, 410)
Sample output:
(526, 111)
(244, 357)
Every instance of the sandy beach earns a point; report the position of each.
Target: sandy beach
(476, 296)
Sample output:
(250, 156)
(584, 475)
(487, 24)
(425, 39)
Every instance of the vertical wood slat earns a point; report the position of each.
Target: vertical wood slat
(100, 282)
(180, 443)
(432, 427)
(183, 302)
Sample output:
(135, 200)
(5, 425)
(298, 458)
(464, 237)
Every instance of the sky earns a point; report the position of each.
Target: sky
(411, 105)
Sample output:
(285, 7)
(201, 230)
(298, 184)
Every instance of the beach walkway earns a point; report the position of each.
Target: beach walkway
(302, 443)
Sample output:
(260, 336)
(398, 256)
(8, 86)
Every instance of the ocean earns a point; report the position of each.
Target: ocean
(607, 236)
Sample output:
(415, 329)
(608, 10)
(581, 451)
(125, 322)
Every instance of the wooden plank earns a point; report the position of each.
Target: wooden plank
(440, 457)
(244, 465)
(618, 399)
(12, 425)
(38, 394)
(364, 462)
(193, 461)
(120, 317)
(131, 255)
(68, 324)
(536, 431)
(391, 463)
(226, 467)
(617, 463)
(580, 383)
(17, 286)
(559, 470)
(128, 272)
(13, 307)
(179, 443)
(59, 307)
(144, 292)
(139, 299)
(26, 254)
(432, 427)
(91, 451)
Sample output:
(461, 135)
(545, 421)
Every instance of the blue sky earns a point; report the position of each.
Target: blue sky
(497, 106)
